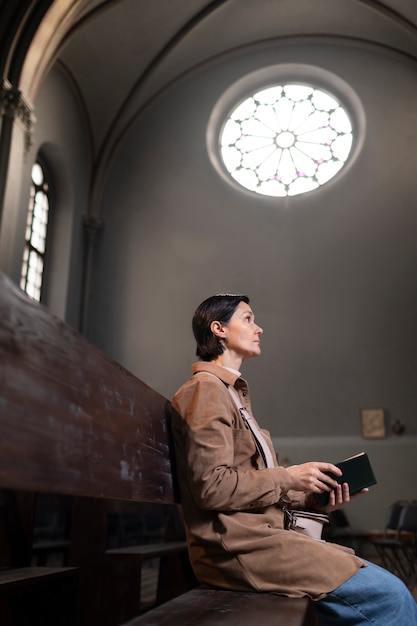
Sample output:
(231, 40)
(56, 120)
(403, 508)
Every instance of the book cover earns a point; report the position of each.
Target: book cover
(357, 472)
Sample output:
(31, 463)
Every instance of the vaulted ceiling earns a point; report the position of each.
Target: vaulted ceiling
(121, 53)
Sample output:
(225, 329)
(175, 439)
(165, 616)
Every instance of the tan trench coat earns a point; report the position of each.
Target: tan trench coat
(234, 527)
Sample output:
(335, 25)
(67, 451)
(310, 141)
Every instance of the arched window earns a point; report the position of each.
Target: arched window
(35, 237)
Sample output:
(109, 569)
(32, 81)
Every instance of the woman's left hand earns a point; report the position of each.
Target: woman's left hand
(339, 497)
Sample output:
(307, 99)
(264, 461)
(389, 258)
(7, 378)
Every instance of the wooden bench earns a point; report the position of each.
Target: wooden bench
(76, 423)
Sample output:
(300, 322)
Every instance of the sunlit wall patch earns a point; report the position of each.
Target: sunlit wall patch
(286, 138)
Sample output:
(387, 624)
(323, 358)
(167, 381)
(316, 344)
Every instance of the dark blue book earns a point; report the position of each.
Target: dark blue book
(357, 472)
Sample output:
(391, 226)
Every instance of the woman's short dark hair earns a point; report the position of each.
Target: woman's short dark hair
(218, 308)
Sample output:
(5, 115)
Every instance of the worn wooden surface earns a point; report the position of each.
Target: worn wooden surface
(16, 578)
(206, 607)
(71, 419)
(74, 422)
(152, 551)
(38, 596)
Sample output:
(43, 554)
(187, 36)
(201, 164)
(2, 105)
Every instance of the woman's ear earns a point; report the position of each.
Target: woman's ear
(217, 329)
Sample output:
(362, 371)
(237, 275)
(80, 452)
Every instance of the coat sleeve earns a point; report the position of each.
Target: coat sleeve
(219, 452)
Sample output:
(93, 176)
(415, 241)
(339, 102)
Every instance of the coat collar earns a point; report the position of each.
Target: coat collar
(224, 374)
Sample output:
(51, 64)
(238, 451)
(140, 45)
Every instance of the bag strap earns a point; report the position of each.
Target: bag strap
(260, 440)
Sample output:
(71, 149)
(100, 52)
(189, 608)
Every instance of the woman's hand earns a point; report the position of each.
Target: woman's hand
(339, 497)
(311, 477)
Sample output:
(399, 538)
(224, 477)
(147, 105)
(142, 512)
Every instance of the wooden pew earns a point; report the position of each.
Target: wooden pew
(75, 422)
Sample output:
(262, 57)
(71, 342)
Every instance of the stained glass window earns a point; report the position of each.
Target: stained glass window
(286, 140)
(35, 236)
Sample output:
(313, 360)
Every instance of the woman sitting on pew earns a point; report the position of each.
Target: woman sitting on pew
(234, 491)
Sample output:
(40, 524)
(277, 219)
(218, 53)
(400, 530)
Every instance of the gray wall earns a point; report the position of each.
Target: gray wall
(331, 274)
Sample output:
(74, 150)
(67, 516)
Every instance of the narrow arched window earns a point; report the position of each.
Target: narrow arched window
(35, 237)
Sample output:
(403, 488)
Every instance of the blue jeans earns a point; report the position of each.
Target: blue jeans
(372, 596)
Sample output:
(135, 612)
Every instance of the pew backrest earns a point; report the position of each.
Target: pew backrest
(72, 420)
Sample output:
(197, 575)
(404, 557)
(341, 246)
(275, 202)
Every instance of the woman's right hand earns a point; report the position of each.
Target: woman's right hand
(311, 477)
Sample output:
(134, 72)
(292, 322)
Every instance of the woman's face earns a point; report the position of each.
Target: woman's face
(242, 337)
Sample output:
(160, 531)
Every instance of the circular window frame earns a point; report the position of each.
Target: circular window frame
(288, 73)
